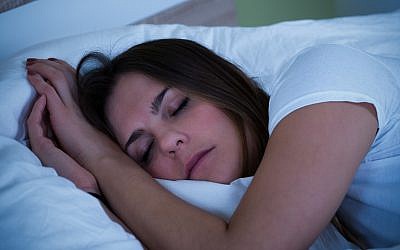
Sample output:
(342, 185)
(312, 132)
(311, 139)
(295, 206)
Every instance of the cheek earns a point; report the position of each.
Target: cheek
(218, 128)
(208, 118)
(222, 128)
(165, 169)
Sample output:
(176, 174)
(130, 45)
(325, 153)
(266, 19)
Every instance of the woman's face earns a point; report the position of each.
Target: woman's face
(173, 135)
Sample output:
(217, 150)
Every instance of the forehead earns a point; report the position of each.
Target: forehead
(130, 102)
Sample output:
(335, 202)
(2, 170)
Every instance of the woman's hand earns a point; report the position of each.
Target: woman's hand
(46, 149)
(55, 79)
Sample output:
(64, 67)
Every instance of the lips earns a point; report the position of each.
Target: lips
(193, 162)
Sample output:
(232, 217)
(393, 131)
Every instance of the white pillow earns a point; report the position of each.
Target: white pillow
(40, 210)
(258, 51)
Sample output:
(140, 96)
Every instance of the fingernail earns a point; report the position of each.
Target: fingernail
(30, 61)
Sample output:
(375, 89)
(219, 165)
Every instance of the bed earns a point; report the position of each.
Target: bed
(40, 210)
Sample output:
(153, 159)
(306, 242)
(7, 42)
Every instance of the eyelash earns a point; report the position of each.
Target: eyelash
(145, 157)
(182, 106)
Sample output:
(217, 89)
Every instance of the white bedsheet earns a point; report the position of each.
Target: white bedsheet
(40, 210)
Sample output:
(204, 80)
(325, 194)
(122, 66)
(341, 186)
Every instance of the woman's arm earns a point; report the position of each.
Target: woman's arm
(50, 154)
(307, 168)
(308, 165)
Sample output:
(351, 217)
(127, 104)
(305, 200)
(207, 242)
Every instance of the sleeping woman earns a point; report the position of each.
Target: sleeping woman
(173, 109)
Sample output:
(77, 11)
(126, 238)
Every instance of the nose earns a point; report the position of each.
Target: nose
(172, 141)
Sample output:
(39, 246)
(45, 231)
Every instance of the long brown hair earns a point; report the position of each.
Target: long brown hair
(190, 67)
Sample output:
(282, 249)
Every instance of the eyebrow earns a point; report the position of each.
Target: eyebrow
(155, 107)
(134, 136)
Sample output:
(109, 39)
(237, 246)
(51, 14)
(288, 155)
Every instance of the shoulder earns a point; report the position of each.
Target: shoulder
(329, 52)
(327, 73)
(331, 62)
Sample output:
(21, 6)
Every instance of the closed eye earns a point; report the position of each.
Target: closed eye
(182, 105)
(147, 154)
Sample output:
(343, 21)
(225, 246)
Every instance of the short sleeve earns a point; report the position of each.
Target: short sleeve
(327, 73)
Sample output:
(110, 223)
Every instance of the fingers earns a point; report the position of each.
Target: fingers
(54, 102)
(59, 74)
(59, 64)
(64, 64)
(35, 118)
(37, 129)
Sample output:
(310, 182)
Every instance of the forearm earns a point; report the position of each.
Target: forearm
(157, 217)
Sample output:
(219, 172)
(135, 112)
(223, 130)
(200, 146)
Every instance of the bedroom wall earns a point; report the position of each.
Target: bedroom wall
(197, 13)
(364, 7)
(264, 12)
(43, 20)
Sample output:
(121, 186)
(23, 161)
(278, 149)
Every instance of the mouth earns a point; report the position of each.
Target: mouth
(195, 160)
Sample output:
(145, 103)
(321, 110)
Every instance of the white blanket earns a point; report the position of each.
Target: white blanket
(40, 210)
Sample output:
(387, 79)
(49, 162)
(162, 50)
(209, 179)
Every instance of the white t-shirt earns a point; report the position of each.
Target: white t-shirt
(371, 208)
